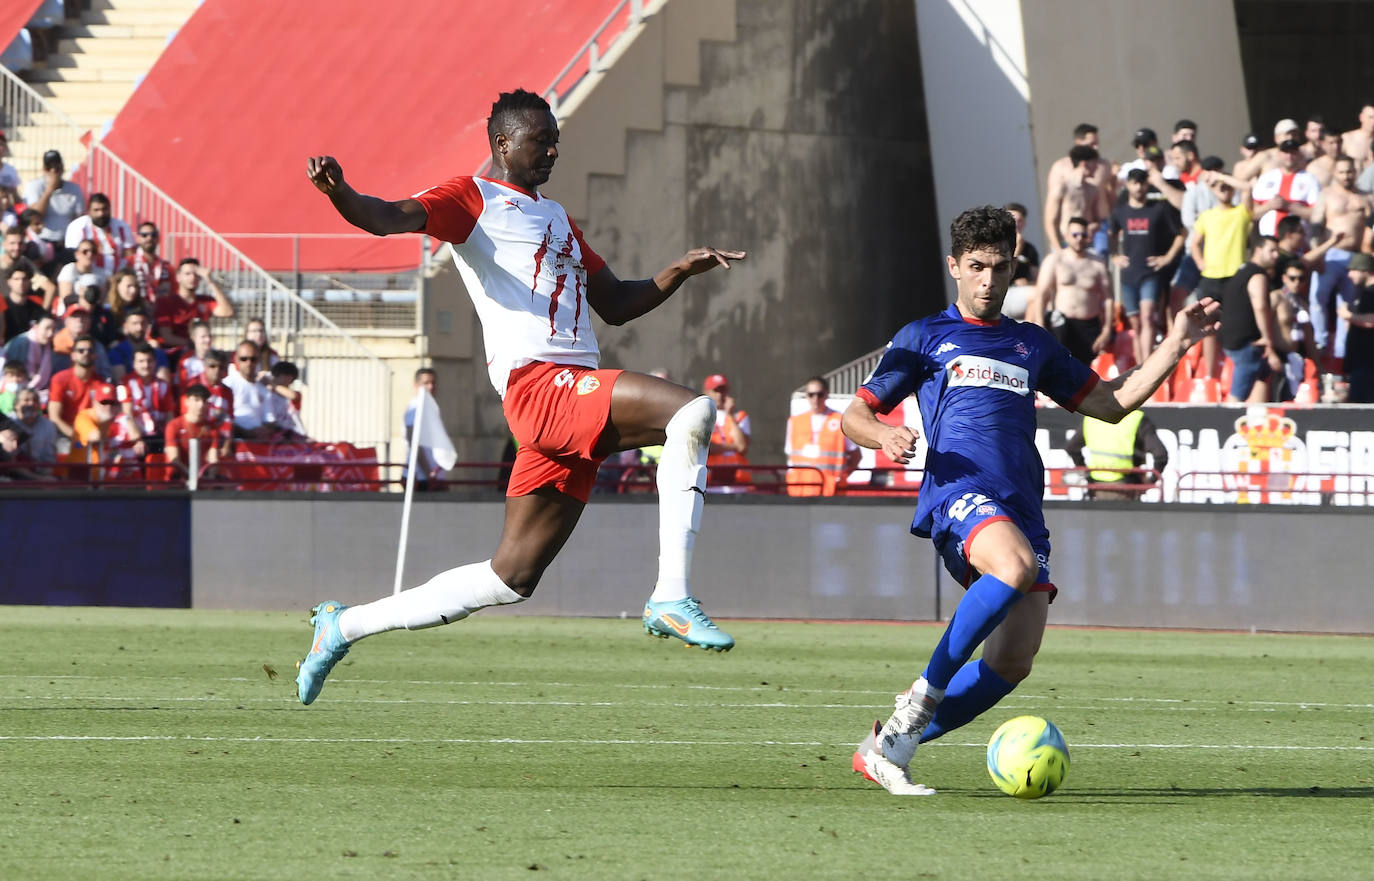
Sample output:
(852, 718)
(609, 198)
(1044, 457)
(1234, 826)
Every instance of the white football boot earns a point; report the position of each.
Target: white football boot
(900, 736)
(894, 778)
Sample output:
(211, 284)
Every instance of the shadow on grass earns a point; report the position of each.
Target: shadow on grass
(1116, 796)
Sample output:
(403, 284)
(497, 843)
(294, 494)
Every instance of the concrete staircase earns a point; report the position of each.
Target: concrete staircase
(95, 66)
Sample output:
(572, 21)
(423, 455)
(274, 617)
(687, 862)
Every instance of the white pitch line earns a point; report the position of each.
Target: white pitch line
(1028, 703)
(188, 738)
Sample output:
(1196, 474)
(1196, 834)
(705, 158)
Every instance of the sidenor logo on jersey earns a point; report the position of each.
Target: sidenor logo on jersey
(988, 372)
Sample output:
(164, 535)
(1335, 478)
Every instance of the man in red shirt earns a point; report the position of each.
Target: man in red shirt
(219, 405)
(174, 314)
(70, 391)
(145, 399)
(192, 425)
(153, 273)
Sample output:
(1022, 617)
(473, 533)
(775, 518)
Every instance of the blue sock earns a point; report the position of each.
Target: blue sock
(984, 606)
(975, 689)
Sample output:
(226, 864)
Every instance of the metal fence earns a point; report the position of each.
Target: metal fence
(348, 394)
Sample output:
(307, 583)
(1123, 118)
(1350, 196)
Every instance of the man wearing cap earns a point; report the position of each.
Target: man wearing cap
(76, 323)
(58, 201)
(1357, 142)
(72, 389)
(1252, 157)
(101, 433)
(19, 308)
(729, 439)
(112, 237)
(1143, 140)
(1284, 189)
(1267, 160)
(1147, 239)
(1359, 343)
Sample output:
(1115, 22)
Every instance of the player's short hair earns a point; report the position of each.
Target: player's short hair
(512, 104)
(1081, 153)
(1187, 146)
(1017, 207)
(984, 227)
(1288, 225)
(1083, 129)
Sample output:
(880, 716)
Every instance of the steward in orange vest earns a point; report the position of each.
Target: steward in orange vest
(818, 454)
(729, 438)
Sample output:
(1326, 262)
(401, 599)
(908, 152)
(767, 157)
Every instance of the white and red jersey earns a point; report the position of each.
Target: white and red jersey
(1295, 186)
(152, 402)
(155, 276)
(525, 266)
(189, 372)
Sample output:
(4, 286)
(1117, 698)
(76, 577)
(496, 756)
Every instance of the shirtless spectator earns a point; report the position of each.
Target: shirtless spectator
(1084, 135)
(195, 425)
(1150, 239)
(1357, 142)
(1268, 159)
(1292, 324)
(1284, 189)
(1251, 161)
(1313, 131)
(146, 400)
(1078, 194)
(1027, 267)
(83, 264)
(1323, 166)
(1345, 212)
(155, 275)
(175, 313)
(112, 237)
(1073, 297)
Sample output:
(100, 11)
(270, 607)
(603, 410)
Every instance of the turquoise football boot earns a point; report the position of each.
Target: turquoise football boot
(685, 620)
(326, 651)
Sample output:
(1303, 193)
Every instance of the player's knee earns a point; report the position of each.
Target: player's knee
(1017, 568)
(521, 577)
(693, 420)
(1012, 664)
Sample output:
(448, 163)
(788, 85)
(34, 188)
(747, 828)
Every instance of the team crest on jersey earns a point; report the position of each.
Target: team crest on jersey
(972, 370)
(986, 510)
(1022, 350)
(588, 384)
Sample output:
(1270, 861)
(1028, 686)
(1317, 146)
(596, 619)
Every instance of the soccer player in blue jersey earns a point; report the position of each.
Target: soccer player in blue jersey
(974, 373)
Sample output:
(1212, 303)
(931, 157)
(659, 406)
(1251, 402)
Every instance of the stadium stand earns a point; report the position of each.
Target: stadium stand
(338, 83)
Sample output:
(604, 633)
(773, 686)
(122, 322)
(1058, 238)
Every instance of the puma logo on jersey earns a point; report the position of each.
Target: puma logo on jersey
(946, 347)
(972, 370)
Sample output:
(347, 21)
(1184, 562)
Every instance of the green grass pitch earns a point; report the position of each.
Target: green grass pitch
(155, 745)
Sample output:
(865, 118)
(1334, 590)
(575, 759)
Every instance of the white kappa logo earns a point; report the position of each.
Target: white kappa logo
(946, 347)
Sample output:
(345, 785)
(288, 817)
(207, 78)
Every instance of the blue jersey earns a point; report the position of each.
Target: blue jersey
(975, 382)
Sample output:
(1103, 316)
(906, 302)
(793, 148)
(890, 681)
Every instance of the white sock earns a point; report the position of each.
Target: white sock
(450, 596)
(681, 493)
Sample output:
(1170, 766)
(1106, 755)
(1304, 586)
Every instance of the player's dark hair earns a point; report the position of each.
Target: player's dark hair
(1261, 241)
(286, 368)
(511, 104)
(1287, 263)
(136, 310)
(1187, 146)
(1081, 153)
(145, 349)
(1288, 225)
(198, 391)
(1184, 123)
(984, 227)
(1083, 129)
(1080, 221)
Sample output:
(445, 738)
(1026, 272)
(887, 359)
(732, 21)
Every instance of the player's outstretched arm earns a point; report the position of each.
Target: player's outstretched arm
(368, 213)
(619, 301)
(1111, 400)
(860, 425)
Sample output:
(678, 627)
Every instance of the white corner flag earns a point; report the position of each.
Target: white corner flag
(428, 432)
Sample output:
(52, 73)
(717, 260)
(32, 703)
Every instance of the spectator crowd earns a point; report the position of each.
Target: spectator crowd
(108, 359)
(1281, 235)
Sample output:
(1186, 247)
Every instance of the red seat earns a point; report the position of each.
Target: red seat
(1104, 365)
(1204, 390)
(1228, 368)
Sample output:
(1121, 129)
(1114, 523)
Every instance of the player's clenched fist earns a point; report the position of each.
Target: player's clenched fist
(325, 173)
(899, 443)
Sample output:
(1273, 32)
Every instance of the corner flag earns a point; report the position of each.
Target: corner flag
(428, 432)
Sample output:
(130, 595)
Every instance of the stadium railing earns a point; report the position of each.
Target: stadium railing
(350, 387)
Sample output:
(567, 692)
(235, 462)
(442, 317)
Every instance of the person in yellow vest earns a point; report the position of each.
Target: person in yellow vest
(1113, 451)
(729, 439)
(815, 444)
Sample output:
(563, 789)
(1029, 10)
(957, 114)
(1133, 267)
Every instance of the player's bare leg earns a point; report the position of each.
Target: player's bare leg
(646, 410)
(536, 527)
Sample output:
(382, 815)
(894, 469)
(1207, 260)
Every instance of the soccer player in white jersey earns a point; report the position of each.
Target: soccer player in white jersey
(534, 282)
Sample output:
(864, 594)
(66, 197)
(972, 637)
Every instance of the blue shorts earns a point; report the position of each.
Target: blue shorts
(1248, 367)
(958, 521)
(1145, 290)
(1188, 274)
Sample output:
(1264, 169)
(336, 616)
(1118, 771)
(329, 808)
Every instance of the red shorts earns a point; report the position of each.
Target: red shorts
(557, 413)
